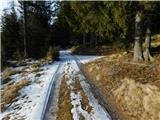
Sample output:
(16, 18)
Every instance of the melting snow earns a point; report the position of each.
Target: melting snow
(97, 113)
(87, 58)
(32, 97)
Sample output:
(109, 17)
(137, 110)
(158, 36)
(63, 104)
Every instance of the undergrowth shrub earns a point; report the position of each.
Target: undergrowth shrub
(35, 67)
(52, 54)
(74, 48)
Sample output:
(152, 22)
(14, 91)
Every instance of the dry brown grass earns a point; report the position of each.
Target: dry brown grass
(64, 102)
(6, 118)
(35, 67)
(52, 54)
(81, 117)
(35, 70)
(139, 101)
(84, 101)
(137, 97)
(73, 48)
(8, 72)
(157, 59)
(42, 61)
(10, 92)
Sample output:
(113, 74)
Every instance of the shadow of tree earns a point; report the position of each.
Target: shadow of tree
(155, 50)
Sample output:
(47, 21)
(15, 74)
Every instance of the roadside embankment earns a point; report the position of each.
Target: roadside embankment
(130, 90)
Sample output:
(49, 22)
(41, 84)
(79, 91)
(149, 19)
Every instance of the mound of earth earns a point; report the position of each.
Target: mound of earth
(129, 91)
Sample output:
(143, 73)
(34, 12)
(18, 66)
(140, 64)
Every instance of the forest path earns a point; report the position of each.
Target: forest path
(83, 103)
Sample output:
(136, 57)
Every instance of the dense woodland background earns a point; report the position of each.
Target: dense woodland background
(39, 26)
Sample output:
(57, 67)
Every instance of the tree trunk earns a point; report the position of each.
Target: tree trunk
(138, 53)
(84, 40)
(147, 54)
(25, 29)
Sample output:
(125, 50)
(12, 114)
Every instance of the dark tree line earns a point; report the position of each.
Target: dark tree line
(11, 38)
(41, 24)
(27, 33)
(128, 22)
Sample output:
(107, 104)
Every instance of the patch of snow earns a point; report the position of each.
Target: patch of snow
(87, 58)
(98, 112)
(29, 105)
(31, 101)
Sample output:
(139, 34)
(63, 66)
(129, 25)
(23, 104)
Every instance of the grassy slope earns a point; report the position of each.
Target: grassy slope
(132, 89)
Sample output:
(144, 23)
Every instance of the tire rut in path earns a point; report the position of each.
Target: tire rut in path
(83, 107)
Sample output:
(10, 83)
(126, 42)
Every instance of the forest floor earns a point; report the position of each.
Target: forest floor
(131, 90)
(128, 90)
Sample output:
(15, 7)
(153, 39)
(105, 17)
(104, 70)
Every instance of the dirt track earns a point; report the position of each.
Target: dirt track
(84, 104)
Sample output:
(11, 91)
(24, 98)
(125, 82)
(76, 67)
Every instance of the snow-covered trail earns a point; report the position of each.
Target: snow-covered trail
(70, 68)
